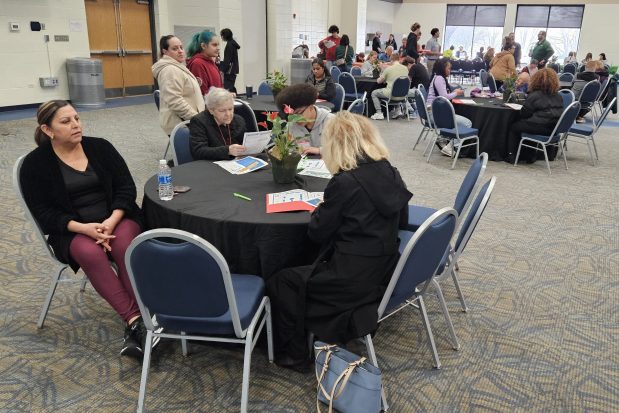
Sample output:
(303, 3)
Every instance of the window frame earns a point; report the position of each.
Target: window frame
(471, 51)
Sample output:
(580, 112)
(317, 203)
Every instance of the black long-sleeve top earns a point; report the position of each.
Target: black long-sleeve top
(47, 197)
(211, 141)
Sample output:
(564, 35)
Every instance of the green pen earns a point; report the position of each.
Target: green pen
(241, 196)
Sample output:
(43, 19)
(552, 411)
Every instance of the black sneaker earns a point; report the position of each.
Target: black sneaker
(133, 345)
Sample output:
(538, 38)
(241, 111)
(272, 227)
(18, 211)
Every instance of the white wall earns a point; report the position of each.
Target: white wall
(23, 55)
(253, 51)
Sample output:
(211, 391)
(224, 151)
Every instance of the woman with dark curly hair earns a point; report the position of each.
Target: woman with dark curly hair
(539, 114)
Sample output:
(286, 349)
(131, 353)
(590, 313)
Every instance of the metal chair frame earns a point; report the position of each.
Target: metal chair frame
(173, 138)
(397, 100)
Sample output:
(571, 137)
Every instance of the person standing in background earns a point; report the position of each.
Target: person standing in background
(203, 50)
(518, 49)
(542, 50)
(329, 44)
(411, 41)
(391, 42)
(230, 65)
(376, 46)
(433, 49)
(345, 52)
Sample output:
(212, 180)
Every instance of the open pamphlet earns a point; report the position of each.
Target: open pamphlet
(314, 167)
(242, 165)
(293, 200)
(256, 142)
(514, 106)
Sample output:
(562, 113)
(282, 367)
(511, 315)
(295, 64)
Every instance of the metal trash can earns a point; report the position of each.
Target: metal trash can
(86, 82)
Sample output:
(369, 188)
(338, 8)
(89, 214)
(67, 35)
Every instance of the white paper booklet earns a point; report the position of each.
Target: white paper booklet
(293, 200)
(242, 165)
(314, 167)
(256, 142)
(514, 106)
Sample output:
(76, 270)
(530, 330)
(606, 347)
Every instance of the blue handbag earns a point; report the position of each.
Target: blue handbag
(346, 382)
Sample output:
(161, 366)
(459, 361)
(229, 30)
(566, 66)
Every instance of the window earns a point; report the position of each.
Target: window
(561, 23)
(473, 27)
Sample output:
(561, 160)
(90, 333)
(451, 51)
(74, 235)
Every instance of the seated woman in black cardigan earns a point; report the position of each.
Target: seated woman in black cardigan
(81, 193)
(217, 133)
(357, 224)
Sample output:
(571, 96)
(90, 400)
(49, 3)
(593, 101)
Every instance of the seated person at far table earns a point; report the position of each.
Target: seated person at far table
(321, 79)
(522, 82)
(389, 76)
(386, 57)
(582, 78)
(302, 98)
(217, 133)
(368, 66)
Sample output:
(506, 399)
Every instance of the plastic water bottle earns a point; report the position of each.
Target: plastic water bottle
(166, 191)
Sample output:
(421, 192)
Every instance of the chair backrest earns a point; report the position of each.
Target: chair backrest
(179, 276)
(156, 96)
(567, 119)
(242, 109)
(419, 258)
(443, 113)
(472, 218)
(400, 88)
(338, 100)
(423, 90)
(357, 106)
(456, 65)
(335, 73)
(38, 232)
(598, 122)
(603, 88)
(469, 184)
(491, 83)
(348, 83)
(355, 71)
(179, 142)
(566, 77)
(569, 68)
(554, 67)
(590, 92)
(264, 89)
(422, 109)
(568, 97)
(483, 78)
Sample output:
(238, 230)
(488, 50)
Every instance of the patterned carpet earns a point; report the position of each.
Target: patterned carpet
(541, 276)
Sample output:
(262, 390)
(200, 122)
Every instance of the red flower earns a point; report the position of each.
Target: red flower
(288, 110)
(272, 115)
(263, 124)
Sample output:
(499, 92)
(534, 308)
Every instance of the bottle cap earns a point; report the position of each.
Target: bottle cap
(163, 162)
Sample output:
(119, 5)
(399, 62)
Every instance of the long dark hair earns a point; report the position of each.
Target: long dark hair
(318, 61)
(45, 116)
(439, 69)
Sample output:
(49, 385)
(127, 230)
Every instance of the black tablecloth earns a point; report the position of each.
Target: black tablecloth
(252, 241)
(493, 121)
(368, 84)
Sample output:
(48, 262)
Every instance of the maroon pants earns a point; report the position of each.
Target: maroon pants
(115, 289)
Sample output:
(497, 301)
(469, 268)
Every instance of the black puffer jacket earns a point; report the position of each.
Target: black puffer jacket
(210, 141)
(542, 109)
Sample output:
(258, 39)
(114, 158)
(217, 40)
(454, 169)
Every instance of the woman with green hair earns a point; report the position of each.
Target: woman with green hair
(203, 50)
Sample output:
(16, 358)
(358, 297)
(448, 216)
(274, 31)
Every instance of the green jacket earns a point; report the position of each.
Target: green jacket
(339, 54)
(542, 51)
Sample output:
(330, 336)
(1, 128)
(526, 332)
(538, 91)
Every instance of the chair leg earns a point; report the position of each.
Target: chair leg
(422, 134)
(453, 144)
(431, 147)
(590, 152)
(50, 295)
(454, 277)
(564, 156)
(83, 284)
(145, 369)
(441, 299)
(426, 323)
(184, 344)
(246, 369)
(270, 349)
(369, 345)
(165, 154)
(595, 148)
(546, 158)
(518, 153)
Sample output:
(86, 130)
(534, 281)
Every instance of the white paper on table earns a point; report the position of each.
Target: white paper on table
(467, 101)
(242, 165)
(256, 142)
(514, 106)
(314, 167)
(312, 198)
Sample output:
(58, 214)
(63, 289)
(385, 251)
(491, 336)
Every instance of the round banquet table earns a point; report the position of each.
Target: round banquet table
(252, 241)
(493, 121)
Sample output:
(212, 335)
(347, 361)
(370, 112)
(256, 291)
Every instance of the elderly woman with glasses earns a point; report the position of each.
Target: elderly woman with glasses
(217, 133)
(302, 98)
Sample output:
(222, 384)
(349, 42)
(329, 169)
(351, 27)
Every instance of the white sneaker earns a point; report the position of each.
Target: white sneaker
(447, 151)
(413, 114)
(377, 116)
(394, 114)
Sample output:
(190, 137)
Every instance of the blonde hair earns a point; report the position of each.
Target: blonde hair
(218, 97)
(347, 138)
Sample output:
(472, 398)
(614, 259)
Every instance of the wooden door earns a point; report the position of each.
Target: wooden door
(119, 34)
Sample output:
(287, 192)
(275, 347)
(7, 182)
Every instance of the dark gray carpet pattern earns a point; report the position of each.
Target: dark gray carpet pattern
(541, 276)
